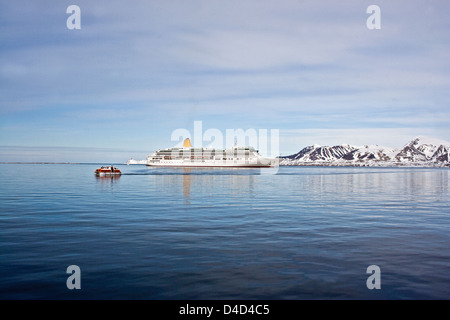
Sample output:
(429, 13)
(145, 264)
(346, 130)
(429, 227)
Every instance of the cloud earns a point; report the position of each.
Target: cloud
(388, 137)
(155, 66)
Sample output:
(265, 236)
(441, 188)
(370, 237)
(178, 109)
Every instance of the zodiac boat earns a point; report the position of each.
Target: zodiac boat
(107, 171)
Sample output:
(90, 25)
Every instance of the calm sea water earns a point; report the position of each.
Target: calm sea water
(305, 233)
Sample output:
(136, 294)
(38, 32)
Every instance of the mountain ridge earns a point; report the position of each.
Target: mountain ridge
(420, 151)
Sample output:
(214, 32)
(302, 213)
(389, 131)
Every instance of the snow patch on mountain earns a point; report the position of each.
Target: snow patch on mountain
(371, 153)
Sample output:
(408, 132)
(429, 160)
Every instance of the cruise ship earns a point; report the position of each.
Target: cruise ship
(188, 156)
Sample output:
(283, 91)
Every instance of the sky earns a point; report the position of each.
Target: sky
(137, 71)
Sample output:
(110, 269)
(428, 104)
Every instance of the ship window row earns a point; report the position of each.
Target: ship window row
(208, 151)
(222, 154)
(200, 158)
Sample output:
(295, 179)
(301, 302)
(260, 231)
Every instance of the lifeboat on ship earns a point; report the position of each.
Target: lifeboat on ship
(107, 171)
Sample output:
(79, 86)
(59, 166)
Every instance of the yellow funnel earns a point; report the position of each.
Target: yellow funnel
(187, 143)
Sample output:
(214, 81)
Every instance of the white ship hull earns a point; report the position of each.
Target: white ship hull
(214, 163)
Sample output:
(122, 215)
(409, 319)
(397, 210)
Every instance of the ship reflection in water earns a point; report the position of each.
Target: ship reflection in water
(111, 178)
(217, 182)
(107, 182)
(187, 184)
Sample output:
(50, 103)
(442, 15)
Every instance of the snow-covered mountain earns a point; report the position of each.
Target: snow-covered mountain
(319, 153)
(420, 151)
(423, 149)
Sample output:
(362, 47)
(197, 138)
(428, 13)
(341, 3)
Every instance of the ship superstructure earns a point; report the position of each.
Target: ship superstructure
(188, 156)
